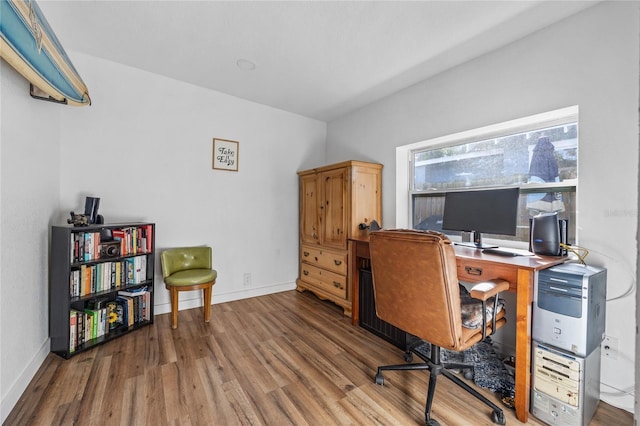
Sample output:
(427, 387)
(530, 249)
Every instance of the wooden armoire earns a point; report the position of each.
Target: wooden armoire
(337, 202)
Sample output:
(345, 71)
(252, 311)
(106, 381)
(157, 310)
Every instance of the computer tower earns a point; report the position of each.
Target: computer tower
(565, 387)
(569, 307)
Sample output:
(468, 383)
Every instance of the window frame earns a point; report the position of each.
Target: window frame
(405, 192)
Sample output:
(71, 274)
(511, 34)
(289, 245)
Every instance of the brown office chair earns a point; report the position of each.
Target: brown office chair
(185, 269)
(416, 289)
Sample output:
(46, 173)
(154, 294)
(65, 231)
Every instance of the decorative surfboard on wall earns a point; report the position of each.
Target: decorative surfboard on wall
(29, 45)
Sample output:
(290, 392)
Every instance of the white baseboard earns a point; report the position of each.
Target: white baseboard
(617, 398)
(196, 302)
(10, 399)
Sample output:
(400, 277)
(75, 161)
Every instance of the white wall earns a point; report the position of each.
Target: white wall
(145, 148)
(29, 191)
(589, 60)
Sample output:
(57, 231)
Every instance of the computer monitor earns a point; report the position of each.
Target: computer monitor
(493, 211)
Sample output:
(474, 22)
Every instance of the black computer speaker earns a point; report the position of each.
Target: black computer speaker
(545, 234)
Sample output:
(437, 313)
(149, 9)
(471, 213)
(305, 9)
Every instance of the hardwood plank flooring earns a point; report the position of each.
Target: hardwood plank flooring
(282, 359)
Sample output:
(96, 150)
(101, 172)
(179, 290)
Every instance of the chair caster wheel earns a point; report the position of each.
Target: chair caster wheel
(468, 374)
(408, 356)
(432, 422)
(498, 418)
(379, 379)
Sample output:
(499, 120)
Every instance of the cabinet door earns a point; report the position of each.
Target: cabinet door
(333, 211)
(366, 202)
(309, 209)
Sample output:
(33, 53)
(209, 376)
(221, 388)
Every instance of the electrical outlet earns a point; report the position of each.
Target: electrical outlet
(610, 347)
(246, 279)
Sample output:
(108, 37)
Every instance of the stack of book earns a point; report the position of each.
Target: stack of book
(100, 317)
(108, 275)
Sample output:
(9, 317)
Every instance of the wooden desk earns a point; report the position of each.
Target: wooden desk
(475, 266)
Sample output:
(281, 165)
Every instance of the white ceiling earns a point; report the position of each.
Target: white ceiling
(318, 59)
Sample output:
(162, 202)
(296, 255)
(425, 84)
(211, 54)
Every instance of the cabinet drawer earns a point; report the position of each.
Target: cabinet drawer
(469, 271)
(325, 280)
(332, 260)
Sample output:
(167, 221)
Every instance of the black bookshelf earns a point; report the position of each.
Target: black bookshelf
(89, 267)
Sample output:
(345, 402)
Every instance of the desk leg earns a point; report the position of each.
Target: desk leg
(523, 343)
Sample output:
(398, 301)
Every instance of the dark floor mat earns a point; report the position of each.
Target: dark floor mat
(489, 371)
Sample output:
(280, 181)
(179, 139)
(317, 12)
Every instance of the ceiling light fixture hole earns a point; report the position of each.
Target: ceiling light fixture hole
(245, 65)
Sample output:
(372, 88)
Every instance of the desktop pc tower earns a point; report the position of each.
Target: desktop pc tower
(567, 330)
(565, 388)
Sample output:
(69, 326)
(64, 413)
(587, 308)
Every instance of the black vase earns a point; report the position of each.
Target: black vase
(91, 205)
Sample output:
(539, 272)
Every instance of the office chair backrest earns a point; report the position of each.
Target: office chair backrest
(415, 284)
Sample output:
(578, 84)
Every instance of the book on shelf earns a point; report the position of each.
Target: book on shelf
(73, 330)
(92, 271)
(98, 321)
(133, 292)
(138, 304)
(121, 313)
(118, 235)
(136, 269)
(132, 318)
(87, 326)
(127, 305)
(134, 239)
(145, 238)
(130, 271)
(91, 323)
(80, 330)
(118, 278)
(112, 275)
(88, 243)
(74, 283)
(85, 275)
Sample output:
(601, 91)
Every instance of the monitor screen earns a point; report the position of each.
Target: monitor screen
(493, 211)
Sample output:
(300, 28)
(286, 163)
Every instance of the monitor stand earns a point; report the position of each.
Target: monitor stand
(477, 242)
(474, 245)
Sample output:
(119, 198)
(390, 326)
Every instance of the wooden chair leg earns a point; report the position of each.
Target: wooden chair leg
(174, 307)
(207, 302)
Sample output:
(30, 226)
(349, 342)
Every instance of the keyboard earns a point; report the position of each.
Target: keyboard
(507, 252)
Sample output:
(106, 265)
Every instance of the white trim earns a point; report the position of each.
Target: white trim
(403, 153)
(10, 399)
(555, 115)
(230, 296)
(403, 200)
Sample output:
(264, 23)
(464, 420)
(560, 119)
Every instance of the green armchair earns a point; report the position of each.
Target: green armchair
(186, 269)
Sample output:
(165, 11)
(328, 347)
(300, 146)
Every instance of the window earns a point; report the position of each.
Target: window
(537, 154)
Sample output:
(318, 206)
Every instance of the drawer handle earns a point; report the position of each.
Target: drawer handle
(337, 262)
(305, 272)
(473, 270)
(336, 284)
(306, 254)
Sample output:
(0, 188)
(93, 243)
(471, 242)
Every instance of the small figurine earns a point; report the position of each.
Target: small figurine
(78, 219)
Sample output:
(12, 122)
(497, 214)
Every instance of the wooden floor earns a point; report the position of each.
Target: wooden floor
(281, 359)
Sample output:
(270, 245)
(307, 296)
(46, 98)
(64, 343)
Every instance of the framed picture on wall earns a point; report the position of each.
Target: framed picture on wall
(225, 154)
